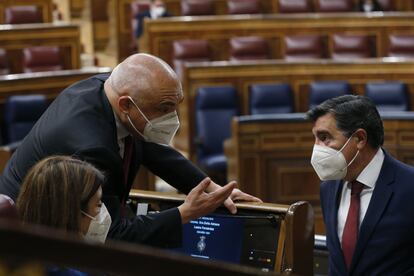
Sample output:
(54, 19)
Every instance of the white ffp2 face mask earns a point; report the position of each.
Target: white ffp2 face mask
(160, 130)
(330, 164)
(99, 226)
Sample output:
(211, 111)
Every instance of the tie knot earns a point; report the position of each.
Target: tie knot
(356, 187)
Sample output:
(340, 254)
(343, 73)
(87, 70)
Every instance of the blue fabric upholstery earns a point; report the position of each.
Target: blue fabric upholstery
(215, 107)
(271, 98)
(388, 96)
(321, 91)
(21, 113)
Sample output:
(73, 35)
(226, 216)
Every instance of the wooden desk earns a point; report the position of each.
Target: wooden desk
(14, 38)
(45, 6)
(269, 155)
(47, 83)
(217, 30)
(28, 249)
(296, 238)
(299, 75)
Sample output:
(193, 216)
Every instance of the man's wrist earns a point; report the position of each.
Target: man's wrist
(185, 217)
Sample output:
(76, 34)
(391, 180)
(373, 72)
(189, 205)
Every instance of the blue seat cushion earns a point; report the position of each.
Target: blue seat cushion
(214, 162)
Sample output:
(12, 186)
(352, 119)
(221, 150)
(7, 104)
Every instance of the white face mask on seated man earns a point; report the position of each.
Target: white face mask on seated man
(99, 226)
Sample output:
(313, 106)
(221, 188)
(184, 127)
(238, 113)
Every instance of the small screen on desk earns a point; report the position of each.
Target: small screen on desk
(248, 239)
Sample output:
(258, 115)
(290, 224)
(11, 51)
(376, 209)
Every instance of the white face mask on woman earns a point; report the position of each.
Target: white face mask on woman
(330, 164)
(99, 226)
(160, 130)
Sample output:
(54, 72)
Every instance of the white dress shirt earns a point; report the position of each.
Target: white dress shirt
(121, 133)
(368, 177)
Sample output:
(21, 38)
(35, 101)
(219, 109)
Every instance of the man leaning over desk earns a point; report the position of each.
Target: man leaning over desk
(119, 122)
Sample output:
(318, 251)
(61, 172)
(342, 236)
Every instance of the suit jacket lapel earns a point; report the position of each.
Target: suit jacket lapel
(379, 201)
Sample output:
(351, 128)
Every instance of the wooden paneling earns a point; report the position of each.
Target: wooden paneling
(14, 38)
(76, 7)
(283, 173)
(100, 23)
(296, 237)
(299, 75)
(44, 5)
(217, 30)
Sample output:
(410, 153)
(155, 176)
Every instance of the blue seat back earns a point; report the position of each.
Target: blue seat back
(388, 96)
(215, 107)
(271, 98)
(321, 91)
(21, 113)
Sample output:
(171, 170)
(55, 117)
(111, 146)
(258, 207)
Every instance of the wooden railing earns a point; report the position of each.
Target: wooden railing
(31, 249)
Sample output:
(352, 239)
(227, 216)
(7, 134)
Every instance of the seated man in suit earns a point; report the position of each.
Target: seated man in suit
(157, 10)
(118, 123)
(366, 194)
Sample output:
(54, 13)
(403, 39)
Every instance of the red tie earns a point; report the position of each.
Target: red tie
(350, 235)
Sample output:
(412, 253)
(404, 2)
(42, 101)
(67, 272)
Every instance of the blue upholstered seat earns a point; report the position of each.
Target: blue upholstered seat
(215, 107)
(388, 96)
(21, 113)
(271, 98)
(321, 91)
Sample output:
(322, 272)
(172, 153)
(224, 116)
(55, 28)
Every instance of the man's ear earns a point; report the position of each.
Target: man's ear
(123, 104)
(362, 138)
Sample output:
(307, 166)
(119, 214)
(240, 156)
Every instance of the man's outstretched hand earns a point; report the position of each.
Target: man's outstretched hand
(199, 202)
(207, 196)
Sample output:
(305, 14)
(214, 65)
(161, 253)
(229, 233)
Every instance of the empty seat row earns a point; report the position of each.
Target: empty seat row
(35, 59)
(295, 47)
(216, 106)
(206, 7)
(278, 98)
(303, 6)
(22, 15)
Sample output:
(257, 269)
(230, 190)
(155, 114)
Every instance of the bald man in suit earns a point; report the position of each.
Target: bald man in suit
(119, 122)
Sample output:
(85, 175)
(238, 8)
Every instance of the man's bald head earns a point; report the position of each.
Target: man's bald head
(141, 75)
(149, 82)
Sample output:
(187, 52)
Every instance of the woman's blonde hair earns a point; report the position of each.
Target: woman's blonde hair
(55, 190)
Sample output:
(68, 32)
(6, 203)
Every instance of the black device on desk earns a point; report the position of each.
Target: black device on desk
(270, 237)
(248, 238)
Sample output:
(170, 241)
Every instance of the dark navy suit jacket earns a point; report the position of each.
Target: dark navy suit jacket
(80, 122)
(385, 243)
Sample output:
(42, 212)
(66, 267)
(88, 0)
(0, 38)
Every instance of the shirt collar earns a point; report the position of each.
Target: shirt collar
(121, 131)
(370, 173)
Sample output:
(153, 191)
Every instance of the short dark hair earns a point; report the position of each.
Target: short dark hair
(352, 112)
